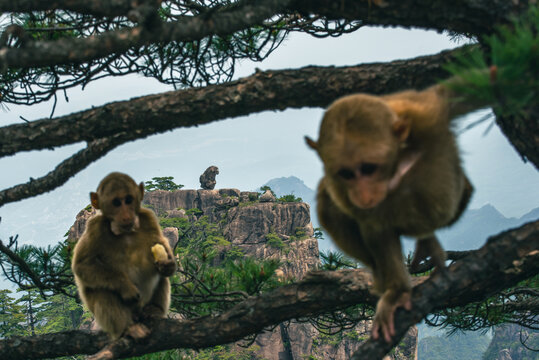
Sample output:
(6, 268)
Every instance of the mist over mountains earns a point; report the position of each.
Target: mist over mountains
(470, 232)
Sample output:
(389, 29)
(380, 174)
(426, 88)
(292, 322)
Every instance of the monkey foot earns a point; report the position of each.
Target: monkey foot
(384, 323)
(152, 311)
(137, 331)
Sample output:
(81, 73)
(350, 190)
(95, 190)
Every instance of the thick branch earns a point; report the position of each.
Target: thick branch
(79, 50)
(65, 170)
(474, 17)
(93, 7)
(513, 255)
(271, 90)
(505, 260)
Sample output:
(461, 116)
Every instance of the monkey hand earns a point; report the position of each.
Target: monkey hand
(384, 323)
(130, 294)
(159, 253)
(166, 267)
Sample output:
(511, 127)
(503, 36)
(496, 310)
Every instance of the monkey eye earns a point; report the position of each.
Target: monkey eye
(128, 199)
(116, 202)
(346, 174)
(368, 168)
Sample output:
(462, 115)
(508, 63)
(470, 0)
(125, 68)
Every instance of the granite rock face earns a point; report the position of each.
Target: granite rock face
(506, 343)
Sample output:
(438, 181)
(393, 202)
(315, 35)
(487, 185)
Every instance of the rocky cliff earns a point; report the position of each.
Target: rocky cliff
(507, 343)
(252, 224)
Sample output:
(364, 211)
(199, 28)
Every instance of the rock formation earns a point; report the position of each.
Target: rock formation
(506, 343)
(207, 179)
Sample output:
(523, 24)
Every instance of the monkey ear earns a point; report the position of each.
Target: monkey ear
(141, 188)
(311, 143)
(401, 128)
(94, 199)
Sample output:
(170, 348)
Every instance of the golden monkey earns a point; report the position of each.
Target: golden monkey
(120, 272)
(391, 168)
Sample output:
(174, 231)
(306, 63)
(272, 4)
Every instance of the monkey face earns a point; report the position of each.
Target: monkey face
(364, 183)
(122, 213)
(118, 197)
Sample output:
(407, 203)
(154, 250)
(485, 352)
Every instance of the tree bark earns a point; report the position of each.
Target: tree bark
(467, 17)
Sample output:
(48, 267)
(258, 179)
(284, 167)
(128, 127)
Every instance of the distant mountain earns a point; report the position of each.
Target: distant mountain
(292, 185)
(476, 225)
(470, 232)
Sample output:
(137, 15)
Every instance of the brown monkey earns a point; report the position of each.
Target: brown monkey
(391, 168)
(118, 277)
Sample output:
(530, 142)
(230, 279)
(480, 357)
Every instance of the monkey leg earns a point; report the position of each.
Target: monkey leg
(391, 280)
(428, 247)
(112, 314)
(160, 301)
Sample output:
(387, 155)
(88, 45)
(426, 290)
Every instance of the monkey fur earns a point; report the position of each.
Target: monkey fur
(116, 273)
(391, 168)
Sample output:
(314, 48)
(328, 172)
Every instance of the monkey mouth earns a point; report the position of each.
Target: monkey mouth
(120, 229)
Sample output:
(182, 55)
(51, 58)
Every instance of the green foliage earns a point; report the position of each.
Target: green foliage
(12, 317)
(273, 240)
(51, 264)
(493, 311)
(335, 260)
(469, 346)
(513, 80)
(31, 314)
(214, 275)
(289, 198)
(161, 183)
(510, 337)
(221, 352)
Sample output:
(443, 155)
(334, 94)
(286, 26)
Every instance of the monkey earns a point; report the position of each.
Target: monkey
(391, 168)
(120, 272)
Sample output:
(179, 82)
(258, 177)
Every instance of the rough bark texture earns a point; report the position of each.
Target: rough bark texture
(505, 260)
(474, 17)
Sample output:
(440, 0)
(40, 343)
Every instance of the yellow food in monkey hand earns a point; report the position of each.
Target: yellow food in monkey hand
(159, 252)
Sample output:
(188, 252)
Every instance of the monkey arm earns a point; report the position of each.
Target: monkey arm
(391, 280)
(95, 273)
(343, 229)
(166, 267)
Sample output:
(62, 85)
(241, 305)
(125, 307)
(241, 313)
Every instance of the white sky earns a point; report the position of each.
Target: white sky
(250, 150)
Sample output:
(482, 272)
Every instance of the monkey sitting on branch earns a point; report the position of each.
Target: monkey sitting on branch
(392, 168)
(122, 261)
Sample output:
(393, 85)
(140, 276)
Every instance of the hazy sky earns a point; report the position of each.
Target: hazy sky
(249, 150)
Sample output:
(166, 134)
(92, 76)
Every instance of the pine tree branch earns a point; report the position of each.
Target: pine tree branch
(505, 260)
(80, 50)
(472, 17)
(97, 8)
(65, 170)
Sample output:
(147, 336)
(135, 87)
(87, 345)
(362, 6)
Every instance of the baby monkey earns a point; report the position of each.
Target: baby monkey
(391, 168)
(122, 260)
